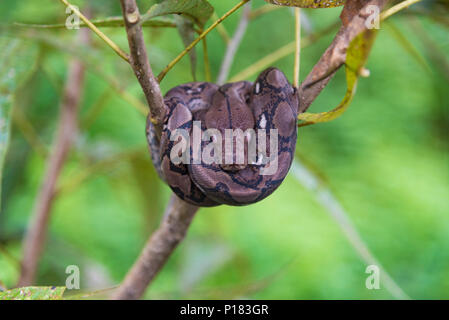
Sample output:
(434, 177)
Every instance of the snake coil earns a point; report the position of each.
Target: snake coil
(270, 103)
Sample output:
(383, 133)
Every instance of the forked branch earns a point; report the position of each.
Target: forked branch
(354, 18)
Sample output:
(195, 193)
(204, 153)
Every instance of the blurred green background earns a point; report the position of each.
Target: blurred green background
(386, 160)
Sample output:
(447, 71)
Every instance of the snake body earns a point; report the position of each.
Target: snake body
(270, 103)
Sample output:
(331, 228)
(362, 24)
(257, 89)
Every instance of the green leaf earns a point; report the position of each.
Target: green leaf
(17, 59)
(356, 58)
(314, 4)
(199, 11)
(33, 293)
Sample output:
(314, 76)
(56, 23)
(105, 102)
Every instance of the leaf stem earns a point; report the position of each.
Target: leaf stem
(263, 10)
(206, 61)
(164, 72)
(91, 26)
(224, 34)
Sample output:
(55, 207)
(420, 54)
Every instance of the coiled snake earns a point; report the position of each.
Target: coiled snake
(270, 103)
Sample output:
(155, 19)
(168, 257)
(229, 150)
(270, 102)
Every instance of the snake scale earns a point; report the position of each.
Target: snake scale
(270, 103)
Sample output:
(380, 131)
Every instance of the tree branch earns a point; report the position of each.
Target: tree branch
(179, 214)
(176, 221)
(354, 17)
(141, 65)
(36, 234)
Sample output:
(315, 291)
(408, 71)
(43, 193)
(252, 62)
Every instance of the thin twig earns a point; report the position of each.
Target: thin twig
(207, 71)
(233, 45)
(91, 26)
(326, 199)
(395, 9)
(263, 10)
(176, 221)
(164, 72)
(36, 234)
(224, 34)
(298, 47)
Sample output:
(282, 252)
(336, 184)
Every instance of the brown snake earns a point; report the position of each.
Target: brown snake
(270, 103)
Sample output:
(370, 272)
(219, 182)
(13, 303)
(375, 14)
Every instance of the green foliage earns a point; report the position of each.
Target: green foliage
(17, 59)
(33, 293)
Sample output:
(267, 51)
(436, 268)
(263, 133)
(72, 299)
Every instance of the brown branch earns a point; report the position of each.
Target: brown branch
(36, 234)
(176, 221)
(179, 214)
(353, 17)
(141, 65)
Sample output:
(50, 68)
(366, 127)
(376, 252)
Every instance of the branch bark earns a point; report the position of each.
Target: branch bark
(176, 221)
(353, 17)
(36, 234)
(141, 65)
(179, 214)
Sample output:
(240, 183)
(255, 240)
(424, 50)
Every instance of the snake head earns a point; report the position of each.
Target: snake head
(230, 108)
(272, 79)
(272, 84)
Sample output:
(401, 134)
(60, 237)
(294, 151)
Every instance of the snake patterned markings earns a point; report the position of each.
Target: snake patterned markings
(270, 103)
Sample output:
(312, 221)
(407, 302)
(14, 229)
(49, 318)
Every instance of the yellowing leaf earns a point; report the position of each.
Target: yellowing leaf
(33, 293)
(356, 58)
(308, 3)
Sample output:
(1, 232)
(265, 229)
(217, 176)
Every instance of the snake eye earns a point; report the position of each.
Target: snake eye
(247, 99)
